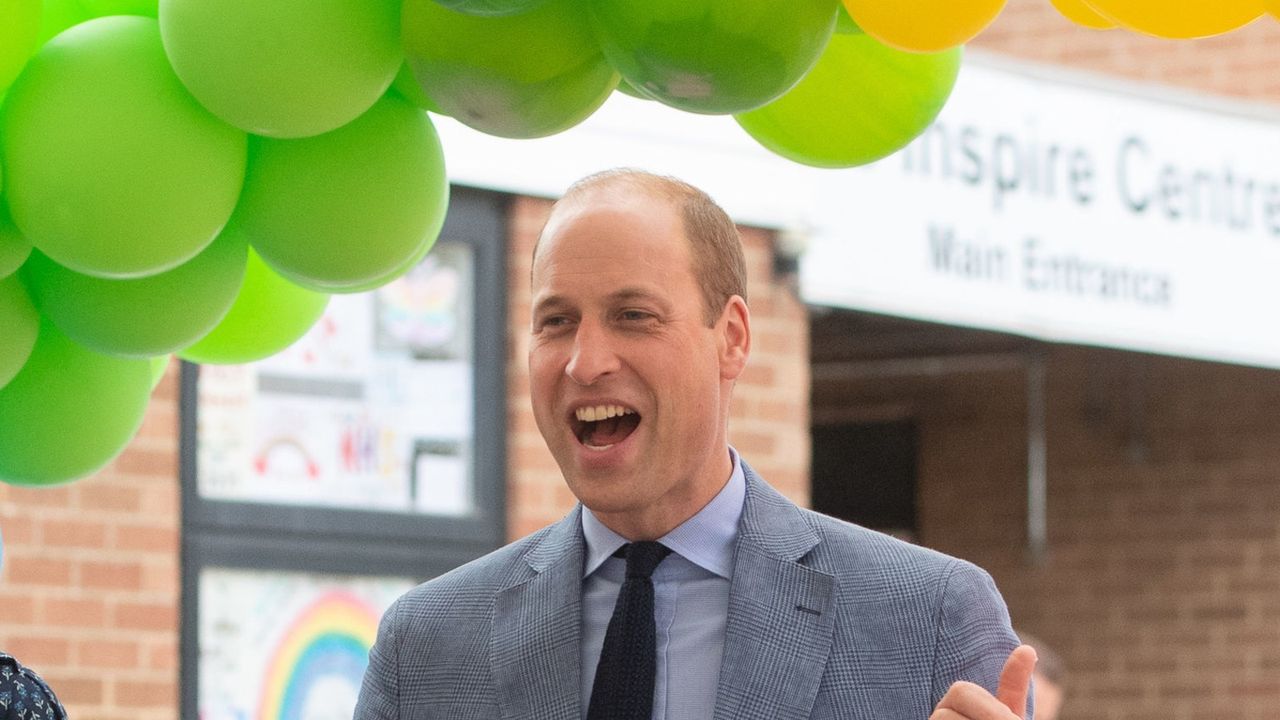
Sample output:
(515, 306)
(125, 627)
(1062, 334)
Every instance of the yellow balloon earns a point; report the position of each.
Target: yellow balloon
(1273, 7)
(1081, 12)
(923, 25)
(1180, 19)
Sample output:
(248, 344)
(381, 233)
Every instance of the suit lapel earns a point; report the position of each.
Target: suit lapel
(781, 613)
(536, 629)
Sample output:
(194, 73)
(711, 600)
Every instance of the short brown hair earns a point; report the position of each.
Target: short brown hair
(714, 243)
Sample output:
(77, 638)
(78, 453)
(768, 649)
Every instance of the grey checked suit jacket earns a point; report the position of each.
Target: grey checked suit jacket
(826, 620)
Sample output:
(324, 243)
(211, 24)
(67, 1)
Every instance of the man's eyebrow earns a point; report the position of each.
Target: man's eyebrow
(558, 301)
(550, 302)
(634, 293)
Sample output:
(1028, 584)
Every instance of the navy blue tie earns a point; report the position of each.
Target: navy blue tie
(623, 688)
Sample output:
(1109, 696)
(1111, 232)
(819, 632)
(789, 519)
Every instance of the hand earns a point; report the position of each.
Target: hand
(967, 701)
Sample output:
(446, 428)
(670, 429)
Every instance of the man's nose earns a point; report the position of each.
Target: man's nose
(593, 355)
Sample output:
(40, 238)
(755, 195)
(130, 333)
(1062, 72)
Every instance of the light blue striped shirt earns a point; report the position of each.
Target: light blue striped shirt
(691, 602)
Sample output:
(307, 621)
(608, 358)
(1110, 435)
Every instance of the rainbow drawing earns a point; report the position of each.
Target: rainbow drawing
(327, 647)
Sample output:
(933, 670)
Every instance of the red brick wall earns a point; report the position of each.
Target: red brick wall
(90, 588)
(769, 420)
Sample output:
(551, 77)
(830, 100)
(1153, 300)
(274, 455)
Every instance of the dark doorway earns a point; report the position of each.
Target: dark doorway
(866, 473)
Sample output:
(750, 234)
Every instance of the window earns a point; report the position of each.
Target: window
(321, 483)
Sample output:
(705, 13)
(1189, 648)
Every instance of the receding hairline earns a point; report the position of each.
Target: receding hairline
(617, 181)
(711, 237)
(663, 186)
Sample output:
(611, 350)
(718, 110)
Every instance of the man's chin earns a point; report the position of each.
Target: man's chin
(602, 491)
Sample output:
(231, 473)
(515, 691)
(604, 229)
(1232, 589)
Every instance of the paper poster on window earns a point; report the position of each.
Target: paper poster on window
(372, 409)
(286, 646)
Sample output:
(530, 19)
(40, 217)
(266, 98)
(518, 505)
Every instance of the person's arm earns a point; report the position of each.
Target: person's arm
(972, 654)
(380, 692)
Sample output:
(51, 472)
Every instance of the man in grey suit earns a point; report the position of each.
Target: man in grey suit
(757, 608)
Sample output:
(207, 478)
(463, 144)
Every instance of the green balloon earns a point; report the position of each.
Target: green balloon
(19, 322)
(408, 264)
(345, 210)
(861, 102)
(62, 14)
(490, 7)
(59, 15)
(713, 56)
(143, 317)
(284, 68)
(100, 8)
(269, 314)
(520, 76)
(19, 30)
(114, 170)
(14, 248)
(69, 411)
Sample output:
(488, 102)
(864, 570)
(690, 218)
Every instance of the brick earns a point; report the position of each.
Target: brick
(39, 651)
(145, 616)
(160, 540)
(19, 606)
(90, 612)
(78, 691)
(102, 494)
(753, 444)
(160, 502)
(135, 461)
(111, 575)
(759, 375)
(37, 571)
(163, 577)
(108, 654)
(131, 694)
(162, 655)
(43, 497)
(18, 530)
(74, 533)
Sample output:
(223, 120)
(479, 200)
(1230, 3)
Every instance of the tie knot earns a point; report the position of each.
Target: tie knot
(643, 558)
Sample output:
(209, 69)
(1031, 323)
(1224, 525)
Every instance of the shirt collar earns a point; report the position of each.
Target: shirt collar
(706, 539)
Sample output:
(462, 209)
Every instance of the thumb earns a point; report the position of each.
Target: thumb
(1015, 679)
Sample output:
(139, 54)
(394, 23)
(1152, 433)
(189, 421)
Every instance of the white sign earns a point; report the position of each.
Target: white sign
(1040, 203)
(1068, 213)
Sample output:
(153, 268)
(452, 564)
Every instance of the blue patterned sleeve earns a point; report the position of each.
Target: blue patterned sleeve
(974, 633)
(24, 695)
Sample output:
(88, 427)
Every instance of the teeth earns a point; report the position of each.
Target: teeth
(602, 412)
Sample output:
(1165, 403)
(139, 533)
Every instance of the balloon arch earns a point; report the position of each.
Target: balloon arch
(196, 177)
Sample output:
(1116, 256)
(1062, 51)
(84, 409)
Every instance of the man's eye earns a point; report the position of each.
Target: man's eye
(634, 315)
(554, 321)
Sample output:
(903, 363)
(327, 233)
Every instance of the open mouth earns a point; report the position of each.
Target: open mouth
(600, 427)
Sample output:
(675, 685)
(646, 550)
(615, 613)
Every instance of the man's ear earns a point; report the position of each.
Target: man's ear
(734, 337)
